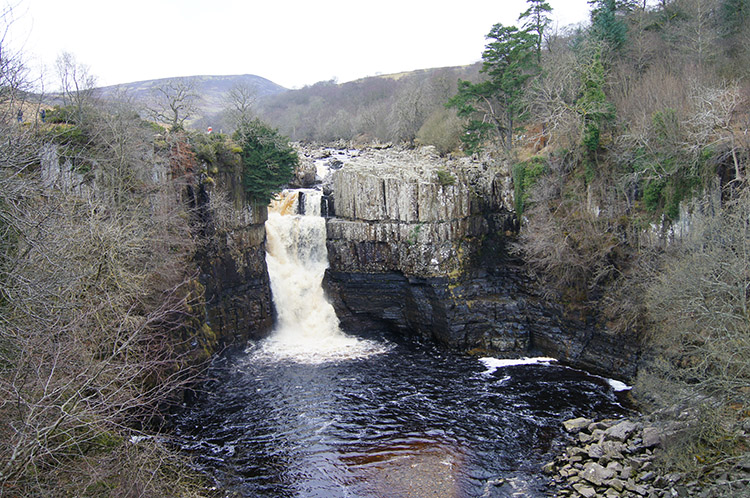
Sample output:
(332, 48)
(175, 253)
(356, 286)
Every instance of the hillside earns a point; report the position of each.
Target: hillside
(393, 107)
(212, 91)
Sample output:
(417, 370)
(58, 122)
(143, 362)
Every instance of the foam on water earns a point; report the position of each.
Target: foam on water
(493, 364)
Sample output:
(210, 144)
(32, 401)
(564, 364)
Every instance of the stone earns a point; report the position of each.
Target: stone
(600, 425)
(647, 476)
(616, 467)
(549, 468)
(631, 485)
(575, 425)
(585, 491)
(584, 437)
(596, 474)
(569, 472)
(595, 451)
(613, 449)
(650, 437)
(616, 484)
(597, 434)
(621, 431)
(659, 481)
(574, 451)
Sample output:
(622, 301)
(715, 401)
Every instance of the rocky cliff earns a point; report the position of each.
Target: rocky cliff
(233, 270)
(419, 243)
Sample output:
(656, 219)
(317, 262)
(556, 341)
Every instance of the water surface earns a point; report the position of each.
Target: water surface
(412, 421)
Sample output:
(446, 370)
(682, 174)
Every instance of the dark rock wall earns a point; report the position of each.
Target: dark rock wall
(411, 255)
(233, 271)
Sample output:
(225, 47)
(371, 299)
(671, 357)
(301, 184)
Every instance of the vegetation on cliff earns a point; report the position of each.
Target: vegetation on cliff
(101, 311)
(268, 161)
(631, 150)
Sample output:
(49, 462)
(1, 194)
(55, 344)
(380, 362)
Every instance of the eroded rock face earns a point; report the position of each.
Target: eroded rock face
(233, 270)
(419, 243)
(403, 211)
(417, 250)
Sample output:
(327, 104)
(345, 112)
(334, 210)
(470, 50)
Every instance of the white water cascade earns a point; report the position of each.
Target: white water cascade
(307, 329)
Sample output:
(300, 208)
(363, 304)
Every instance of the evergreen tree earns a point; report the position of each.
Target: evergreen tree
(536, 21)
(607, 24)
(495, 105)
(594, 108)
(734, 19)
(268, 161)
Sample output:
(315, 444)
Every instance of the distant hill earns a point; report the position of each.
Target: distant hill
(390, 107)
(384, 107)
(212, 90)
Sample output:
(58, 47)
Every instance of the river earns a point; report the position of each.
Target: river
(314, 412)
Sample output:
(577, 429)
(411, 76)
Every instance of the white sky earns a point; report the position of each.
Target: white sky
(291, 42)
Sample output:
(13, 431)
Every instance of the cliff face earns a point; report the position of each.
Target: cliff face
(416, 243)
(233, 270)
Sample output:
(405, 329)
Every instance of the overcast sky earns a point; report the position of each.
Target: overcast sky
(291, 42)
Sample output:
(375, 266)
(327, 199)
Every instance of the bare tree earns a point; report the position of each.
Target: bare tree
(174, 102)
(95, 296)
(14, 77)
(240, 101)
(77, 84)
(713, 123)
(696, 39)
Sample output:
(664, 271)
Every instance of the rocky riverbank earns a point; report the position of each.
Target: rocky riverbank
(620, 458)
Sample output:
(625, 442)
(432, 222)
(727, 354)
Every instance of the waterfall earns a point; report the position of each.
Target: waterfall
(307, 328)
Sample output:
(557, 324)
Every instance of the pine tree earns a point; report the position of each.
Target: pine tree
(494, 106)
(607, 24)
(536, 21)
(268, 161)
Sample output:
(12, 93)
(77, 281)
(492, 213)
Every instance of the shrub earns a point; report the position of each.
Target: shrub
(700, 331)
(445, 178)
(443, 130)
(525, 175)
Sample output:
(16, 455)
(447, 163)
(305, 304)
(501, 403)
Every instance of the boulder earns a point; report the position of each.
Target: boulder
(651, 437)
(621, 431)
(597, 474)
(575, 425)
(584, 490)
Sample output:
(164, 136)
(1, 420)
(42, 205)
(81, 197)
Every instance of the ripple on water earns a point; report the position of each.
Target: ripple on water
(412, 420)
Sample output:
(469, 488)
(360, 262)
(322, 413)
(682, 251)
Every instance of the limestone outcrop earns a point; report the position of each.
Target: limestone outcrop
(420, 243)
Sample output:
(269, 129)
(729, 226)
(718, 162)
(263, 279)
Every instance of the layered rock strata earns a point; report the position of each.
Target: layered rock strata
(418, 243)
(233, 270)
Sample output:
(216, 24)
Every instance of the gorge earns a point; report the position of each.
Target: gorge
(384, 409)
(409, 254)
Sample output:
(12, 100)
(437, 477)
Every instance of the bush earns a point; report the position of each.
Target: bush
(445, 178)
(525, 175)
(443, 130)
(700, 331)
